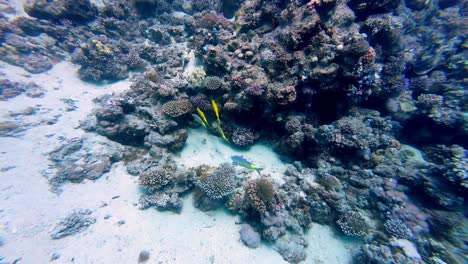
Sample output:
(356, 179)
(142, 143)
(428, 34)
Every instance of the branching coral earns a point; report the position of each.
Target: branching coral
(254, 89)
(397, 228)
(260, 194)
(243, 137)
(212, 20)
(177, 108)
(353, 224)
(201, 101)
(220, 183)
(155, 179)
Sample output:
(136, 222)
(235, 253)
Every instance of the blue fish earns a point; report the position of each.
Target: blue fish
(241, 161)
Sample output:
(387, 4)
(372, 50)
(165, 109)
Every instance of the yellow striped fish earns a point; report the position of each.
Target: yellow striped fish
(216, 110)
(200, 112)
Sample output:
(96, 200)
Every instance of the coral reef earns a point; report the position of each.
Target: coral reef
(335, 87)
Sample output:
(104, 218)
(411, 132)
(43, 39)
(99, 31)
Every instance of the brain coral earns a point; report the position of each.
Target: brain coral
(213, 83)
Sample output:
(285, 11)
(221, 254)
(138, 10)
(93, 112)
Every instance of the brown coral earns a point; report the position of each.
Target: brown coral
(177, 107)
(260, 194)
(286, 95)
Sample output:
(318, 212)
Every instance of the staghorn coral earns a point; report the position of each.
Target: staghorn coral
(177, 107)
(218, 184)
(353, 224)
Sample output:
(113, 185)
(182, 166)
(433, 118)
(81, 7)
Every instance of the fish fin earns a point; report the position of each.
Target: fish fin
(258, 170)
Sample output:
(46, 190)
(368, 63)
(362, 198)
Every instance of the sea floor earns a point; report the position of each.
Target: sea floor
(29, 211)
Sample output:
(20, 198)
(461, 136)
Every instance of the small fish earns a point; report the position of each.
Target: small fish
(216, 110)
(200, 112)
(199, 120)
(221, 133)
(241, 161)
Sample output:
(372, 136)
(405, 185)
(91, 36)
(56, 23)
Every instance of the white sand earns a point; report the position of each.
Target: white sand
(204, 148)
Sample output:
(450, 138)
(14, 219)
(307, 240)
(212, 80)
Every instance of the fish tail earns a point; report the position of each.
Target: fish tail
(258, 170)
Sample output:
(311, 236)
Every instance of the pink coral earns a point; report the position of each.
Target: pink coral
(212, 20)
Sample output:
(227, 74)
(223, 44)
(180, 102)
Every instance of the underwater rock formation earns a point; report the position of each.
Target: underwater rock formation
(78, 11)
(74, 164)
(249, 237)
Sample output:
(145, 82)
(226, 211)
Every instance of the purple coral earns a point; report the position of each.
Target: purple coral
(212, 20)
(201, 101)
(255, 89)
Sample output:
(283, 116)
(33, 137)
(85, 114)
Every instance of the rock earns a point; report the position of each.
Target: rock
(10, 89)
(10, 129)
(75, 163)
(143, 256)
(74, 223)
(249, 236)
(291, 248)
(55, 10)
(162, 201)
(121, 222)
(54, 256)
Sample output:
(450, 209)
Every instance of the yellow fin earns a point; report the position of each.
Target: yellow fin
(216, 110)
(200, 112)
